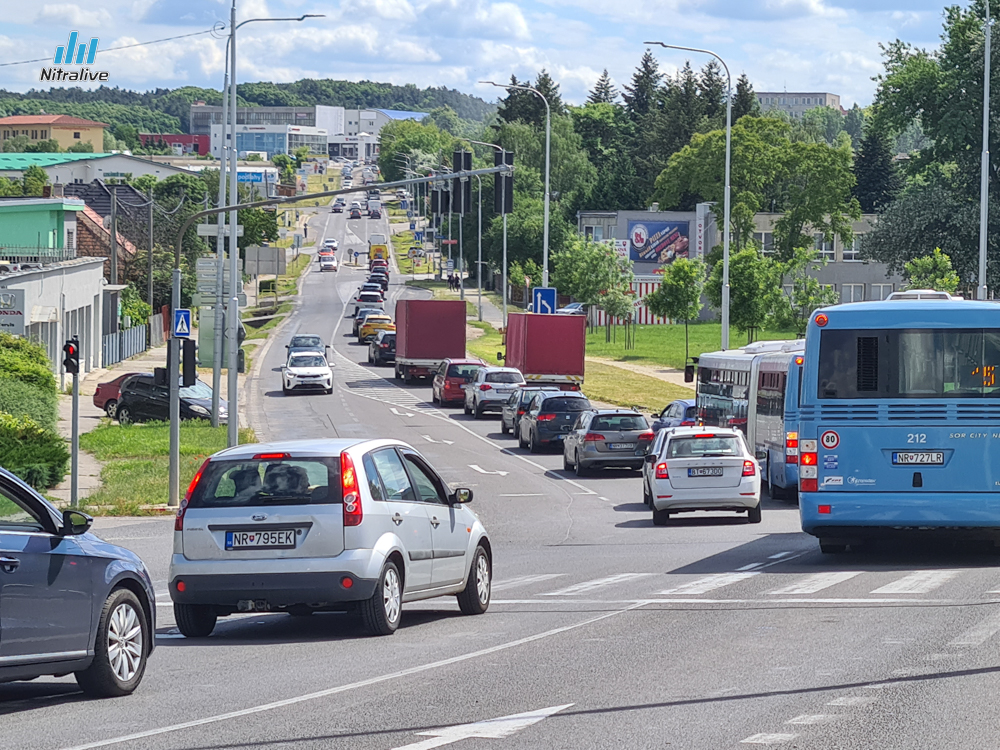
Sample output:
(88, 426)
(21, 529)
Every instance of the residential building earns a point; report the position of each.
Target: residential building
(796, 103)
(181, 143)
(271, 139)
(85, 168)
(37, 225)
(65, 130)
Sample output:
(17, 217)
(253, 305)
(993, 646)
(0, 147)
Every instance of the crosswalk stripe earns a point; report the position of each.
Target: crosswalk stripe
(773, 738)
(710, 583)
(817, 582)
(921, 582)
(525, 580)
(852, 700)
(586, 586)
(978, 634)
(807, 719)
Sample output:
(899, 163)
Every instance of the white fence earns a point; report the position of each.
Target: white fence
(122, 345)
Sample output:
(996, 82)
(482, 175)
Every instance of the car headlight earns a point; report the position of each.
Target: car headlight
(200, 410)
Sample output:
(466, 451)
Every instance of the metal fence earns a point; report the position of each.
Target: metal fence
(33, 256)
(156, 330)
(122, 345)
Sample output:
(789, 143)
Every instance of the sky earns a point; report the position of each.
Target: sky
(782, 45)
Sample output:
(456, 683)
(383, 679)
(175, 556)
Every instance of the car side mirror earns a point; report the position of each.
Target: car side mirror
(650, 458)
(75, 523)
(461, 496)
(500, 357)
(760, 455)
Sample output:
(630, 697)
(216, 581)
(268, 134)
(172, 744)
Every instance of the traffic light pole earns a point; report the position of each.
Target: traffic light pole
(173, 357)
(75, 445)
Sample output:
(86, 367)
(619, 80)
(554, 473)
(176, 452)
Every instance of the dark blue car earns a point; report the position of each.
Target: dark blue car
(679, 413)
(69, 602)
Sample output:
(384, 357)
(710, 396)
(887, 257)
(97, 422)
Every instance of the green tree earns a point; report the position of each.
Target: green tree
(932, 271)
(586, 270)
(641, 93)
(134, 306)
(604, 92)
(751, 278)
(50, 146)
(16, 145)
(745, 101)
(286, 167)
(679, 295)
(33, 180)
(145, 183)
(10, 188)
(109, 144)
(878, 181)
(127, 134)
(86, 147)
(807, 295)
(854, 125)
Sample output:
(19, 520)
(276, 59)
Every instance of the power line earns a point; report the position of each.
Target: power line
(218, 27)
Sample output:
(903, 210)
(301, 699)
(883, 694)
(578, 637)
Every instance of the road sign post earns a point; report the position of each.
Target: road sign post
(543, 299)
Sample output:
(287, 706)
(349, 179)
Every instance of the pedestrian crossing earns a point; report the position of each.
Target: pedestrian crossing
(361, 380)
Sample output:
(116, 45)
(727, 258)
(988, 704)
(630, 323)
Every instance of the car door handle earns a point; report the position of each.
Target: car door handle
(397, 519)
(9, 564)
(435, 522)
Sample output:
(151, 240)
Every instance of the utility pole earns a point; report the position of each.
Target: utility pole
(479, 264)
(114, 233)
(149, 270)
(234, 253)
(220, 257)
(984, 169)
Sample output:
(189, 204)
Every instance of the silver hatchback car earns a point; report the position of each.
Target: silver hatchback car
(311, 525)
(490, 389)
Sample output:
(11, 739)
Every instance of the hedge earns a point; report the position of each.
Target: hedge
(37, 455)
(24, 399)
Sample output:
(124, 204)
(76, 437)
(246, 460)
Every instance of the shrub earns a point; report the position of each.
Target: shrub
(37, 455)
(24, 399)
(27, 349)
(26, 361)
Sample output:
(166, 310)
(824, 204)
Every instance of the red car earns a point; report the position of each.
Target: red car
(449, 378)
(106, 395)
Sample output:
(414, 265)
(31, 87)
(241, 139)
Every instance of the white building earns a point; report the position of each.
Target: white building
(84, 168)
(272, 139)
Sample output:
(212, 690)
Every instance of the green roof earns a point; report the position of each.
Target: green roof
(20, 162)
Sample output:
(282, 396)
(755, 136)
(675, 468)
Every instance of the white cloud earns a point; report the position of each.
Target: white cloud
(72, 16)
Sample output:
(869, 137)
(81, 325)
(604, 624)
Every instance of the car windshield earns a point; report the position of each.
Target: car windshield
(467, 372)
(697, 446)
(301, 341)
(198, 390)
(565, 403)
(378, 319)
(307, 361)
(370, 297)
(255, 482)
(619, 422)
(504, 377)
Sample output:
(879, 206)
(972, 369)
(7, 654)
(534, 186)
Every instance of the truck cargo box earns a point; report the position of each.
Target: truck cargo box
(427, 333)
(547, 348)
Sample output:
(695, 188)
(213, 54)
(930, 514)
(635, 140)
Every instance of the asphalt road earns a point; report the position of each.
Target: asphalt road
(711, 633)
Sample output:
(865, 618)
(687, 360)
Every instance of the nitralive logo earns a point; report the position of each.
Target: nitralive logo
(82, 53)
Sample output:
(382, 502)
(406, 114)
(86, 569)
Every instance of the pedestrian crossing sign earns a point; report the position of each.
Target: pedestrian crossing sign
(182, 323)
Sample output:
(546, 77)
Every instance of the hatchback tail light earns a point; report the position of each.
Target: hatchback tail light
(520, 412)
(749, 468)
(593, 437)
(351, 492)
(485, 387)
(791, 447)
(179, 520)
(646, 437)
(384, 345)
(546, 417)
(661, 470)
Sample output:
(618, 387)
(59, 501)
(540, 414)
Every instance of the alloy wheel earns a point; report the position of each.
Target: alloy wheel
(391, 595)
(483, 579)
(125, 645)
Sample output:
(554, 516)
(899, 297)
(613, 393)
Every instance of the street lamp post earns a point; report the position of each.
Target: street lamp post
(548, 138)
(984, 169)
(726, 199)
(503, 211)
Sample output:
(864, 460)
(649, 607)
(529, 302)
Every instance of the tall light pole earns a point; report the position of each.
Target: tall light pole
(984, 169)
(503, 211)
(726, 199)
(548, 139)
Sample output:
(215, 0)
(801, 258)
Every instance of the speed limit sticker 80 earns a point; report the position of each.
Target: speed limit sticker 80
(829, 440)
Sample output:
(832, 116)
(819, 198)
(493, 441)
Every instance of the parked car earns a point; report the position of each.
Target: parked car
(72, 603)
(515, 407)
(305, 342)
(362, 314)
(382, 349)
(368, 299)
(450, 378)
(311, 525)
(549, 418)
(704, 468)
(490, 388)
(607, 439)
(372, 325)
(573, 308)
(307, 371)
(679, 413)
(141, 400)
(106, 395)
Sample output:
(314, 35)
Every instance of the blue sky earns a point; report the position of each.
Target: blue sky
(794, 45)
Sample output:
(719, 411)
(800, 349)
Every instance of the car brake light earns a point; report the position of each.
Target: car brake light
(546, 417)
(384, 345)
(661, 470)
(791, 447)
(749, 469)
(272, 456)
(705, 435)
(520, 412)
(485, 387)
(593, 437)
(350, 491)
(179, 519)
(646, 436)
(687, 423)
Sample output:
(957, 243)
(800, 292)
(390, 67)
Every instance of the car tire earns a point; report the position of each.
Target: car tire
(120, 649)
(477, 413)
(520, 440)
(466, 409)
(753, 514)
(475, 597)
(381, 613)
(660, 517)
(370, 358)
(110, 408)
(503, 426)
(124, 415)
(194, 620)
(647, 497)
(398, 376)
(581, 470)
(533, 446)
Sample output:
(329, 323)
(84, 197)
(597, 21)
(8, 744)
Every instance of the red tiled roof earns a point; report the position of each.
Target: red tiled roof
(50, 120)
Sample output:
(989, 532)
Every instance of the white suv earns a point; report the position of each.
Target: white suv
(311, 525)
(490, 389)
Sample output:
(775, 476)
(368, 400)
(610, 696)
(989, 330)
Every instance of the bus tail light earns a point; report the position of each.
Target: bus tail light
(808, 466)
(791, 447)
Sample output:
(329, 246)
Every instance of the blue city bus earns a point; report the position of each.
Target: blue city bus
(775, 419)
(899, 419)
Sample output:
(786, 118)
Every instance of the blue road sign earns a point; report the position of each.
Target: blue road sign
(413, 226)
(418, 236)
(182, 323)
(403, 204)
(543, 299)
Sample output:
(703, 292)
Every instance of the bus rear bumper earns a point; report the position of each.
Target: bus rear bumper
(869, 514)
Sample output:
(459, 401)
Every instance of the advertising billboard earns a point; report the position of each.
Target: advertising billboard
(658, 241)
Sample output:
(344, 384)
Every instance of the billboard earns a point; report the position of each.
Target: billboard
(658, 241)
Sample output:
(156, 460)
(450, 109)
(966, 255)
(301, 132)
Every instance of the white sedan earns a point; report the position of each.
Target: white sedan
(704, 468)
(307, 371)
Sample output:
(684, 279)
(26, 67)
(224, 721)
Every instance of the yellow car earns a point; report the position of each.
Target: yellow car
(373, 324)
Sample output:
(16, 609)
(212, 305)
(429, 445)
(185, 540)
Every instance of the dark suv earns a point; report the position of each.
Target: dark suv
(141, 400)
(382, 349)
(549, 418)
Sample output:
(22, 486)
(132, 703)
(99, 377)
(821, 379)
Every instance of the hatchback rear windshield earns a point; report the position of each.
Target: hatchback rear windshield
(258, 482)
(565, 403)
(698, 447)
(504, 377)
(370, 297)
(620, 422)
(463, 371)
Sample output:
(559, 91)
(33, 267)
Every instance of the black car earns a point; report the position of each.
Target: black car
(549, 417)
(379, 278)
(382, 349)
(142, 400)
(72, 603)
(517, 405)
(305, 342)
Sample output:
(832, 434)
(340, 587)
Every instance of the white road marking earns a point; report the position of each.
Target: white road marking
(775, 738)
(920, 582)
(481, 470)
(473, 655)
(817, 582)
(812, 719)
(763, 602)
(978, 634)
(429, 439)
(751, 566)
(524, 494)
(494, 729)
(852, 700)
(779, 556)
(399, 413)
(525, 580)
(710, 583)
(582, 588)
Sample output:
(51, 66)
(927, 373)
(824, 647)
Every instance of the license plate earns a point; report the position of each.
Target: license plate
(283, 539)
(505, 390)
(922, 457)
(621, 446)
(710, 471)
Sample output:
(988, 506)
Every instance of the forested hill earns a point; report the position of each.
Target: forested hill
(166, 110)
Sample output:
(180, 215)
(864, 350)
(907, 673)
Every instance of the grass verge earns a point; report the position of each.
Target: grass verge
(289, 283)
(440, 290)
(136, 458)
(613, 385)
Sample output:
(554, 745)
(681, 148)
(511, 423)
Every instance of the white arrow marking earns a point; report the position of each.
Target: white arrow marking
(481, 470)
(493, 729)
(400, 413)
(429, 439)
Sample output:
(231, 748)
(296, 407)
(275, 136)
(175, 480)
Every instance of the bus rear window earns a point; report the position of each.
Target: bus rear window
(911, 363)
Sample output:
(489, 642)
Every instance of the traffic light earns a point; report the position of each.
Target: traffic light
(71, 360)
(503, 195)
(462, 191)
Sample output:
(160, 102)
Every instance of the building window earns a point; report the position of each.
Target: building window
(822, 100)
(766, 241)
(881, 291)
(45, 134)
(853, 252)
(824, 247)
(6, 134)
(852, 292)
(70, 239)
(76, 135)
(788, 289)
(34, 135)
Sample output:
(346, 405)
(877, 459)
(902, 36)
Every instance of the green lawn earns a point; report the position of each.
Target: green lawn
(136, 463)
(440, 290)
(664, 345)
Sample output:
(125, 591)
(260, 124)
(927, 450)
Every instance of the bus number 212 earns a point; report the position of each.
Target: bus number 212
(916, 437)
